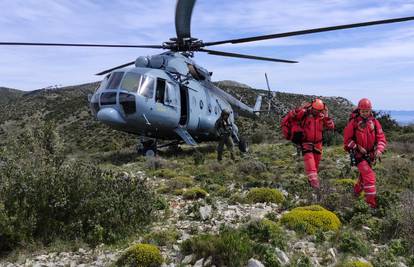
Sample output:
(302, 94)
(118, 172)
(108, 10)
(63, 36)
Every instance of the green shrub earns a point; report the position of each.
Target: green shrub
(347, 183)
(230, 248)
(352, 243)
(264, 194)
(180, 182)
(194, 193)
(252, 167)
(44, 197)
(162, 238)
(309, 219)
(165, 173)
(266, 231)
(356, 264)
(141, 255)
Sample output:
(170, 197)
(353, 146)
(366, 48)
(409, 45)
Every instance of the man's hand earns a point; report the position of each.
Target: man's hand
(362, 150)
(378, 154)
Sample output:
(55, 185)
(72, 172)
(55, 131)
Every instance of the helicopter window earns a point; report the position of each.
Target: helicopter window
(130, 82)
(114, 80)
(170, 96)
(160, 92)
(103, 83)
(201, 104)
(147, 87)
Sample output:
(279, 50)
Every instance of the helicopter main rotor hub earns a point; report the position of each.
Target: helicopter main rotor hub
(184, 45)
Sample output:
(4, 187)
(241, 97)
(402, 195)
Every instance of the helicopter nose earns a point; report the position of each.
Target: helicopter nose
(110, 116)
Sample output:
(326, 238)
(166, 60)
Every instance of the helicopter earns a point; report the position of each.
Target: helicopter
(168, 96)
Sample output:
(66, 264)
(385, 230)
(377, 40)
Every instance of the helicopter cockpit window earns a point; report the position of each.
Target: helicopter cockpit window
(114, 80)
(130, 82)
(103, 83)
(147, 87)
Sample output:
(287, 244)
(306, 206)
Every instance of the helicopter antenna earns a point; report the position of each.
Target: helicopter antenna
(269, 97)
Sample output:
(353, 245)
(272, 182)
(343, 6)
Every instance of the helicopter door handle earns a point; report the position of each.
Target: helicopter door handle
(147, 121)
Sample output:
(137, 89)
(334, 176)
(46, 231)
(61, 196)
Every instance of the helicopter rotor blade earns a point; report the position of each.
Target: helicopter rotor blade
(81, 45)
(227, 54)
(183, 12)
(117, 67)
(302, 32)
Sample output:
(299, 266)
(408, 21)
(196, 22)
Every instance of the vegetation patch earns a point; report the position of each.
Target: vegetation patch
(45, 197)
(266, 231)
(310, 219)
(230, 248)
(141, 255)
(356, 264)
(265, 195)
(162, 238)
(194, 193)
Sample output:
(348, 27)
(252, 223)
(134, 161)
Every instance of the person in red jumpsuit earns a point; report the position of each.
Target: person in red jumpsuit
(306, 125)
(364, 136)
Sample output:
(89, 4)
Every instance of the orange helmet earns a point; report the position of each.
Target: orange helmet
(364, 103)
(317, 104)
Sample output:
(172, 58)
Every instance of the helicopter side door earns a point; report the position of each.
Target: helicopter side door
(167, 112)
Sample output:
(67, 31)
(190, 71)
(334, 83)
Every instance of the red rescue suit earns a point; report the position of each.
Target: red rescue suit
(312, 125)
(366, 134)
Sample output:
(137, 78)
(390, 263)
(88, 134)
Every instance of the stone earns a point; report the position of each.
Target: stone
(205, 212)
(188, 259)
(199, 263)
(254, 263)
(333, 254)
(208, 261)
(282, 257)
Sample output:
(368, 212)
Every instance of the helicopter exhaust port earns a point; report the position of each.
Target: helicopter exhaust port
(110, 116)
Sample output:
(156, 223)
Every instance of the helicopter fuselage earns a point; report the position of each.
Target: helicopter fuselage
(156, 99)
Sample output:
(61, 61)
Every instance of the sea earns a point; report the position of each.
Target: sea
(403, 117)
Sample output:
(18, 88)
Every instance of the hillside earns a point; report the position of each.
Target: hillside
(75, 193)
(68, 109)
(8, 95)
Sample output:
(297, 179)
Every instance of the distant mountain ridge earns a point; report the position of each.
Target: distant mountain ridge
(8, 94)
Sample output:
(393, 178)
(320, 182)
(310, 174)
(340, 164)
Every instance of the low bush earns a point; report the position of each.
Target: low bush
(310, 219)
(264, 194)
(44, 197)
(162, 238)
(252, 167)
(194, 193)
(230, 248)
(351, 243)
(180, 182)
(356, 264)
(266, 231)
(141, 255)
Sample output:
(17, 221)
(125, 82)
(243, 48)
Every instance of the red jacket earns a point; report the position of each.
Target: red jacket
(366, 133)
(303, 119)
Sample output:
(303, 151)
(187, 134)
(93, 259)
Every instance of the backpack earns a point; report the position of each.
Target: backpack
(292, 129)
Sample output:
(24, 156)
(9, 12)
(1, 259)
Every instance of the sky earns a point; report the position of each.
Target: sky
(375, 62)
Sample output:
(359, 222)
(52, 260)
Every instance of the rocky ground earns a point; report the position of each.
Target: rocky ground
(223, 206)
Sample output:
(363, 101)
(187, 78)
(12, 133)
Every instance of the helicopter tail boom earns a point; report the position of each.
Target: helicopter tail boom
(258, 104)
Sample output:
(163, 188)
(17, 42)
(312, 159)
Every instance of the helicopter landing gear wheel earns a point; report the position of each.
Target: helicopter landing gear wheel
(148, 148)
(243, 145)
